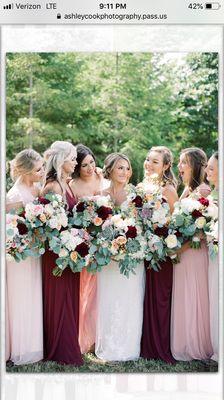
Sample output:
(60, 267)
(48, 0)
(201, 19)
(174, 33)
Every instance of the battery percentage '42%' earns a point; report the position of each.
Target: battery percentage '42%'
(196, 6)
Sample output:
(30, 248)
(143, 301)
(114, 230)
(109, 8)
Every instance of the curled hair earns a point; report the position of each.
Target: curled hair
(197, 160)
(82, 152)
(168, 176)
(111, 161)
(55, 157)
(23, 163)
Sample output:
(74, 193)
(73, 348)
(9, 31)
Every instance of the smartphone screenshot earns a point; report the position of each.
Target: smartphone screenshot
(111, 199)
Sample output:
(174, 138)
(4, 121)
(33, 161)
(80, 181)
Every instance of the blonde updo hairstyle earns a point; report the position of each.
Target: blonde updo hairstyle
(24, 163)
(111, 161)
(168, 176)
(55, 157)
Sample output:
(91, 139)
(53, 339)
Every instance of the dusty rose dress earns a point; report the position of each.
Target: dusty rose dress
(190, 325)
(24, 313)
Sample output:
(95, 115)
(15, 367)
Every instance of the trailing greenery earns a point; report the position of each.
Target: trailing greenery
(112, 102)
(93, 364)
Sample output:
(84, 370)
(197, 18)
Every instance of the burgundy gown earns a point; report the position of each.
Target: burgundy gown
(155, 341)
(61, 310)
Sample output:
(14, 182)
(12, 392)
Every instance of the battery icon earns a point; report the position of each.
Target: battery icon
(212, 6)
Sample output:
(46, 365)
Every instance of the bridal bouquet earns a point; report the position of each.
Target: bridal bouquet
(19, 243)
(73, 249)
(123, 240)
(45, 217)
(190, 217)
(91, 213)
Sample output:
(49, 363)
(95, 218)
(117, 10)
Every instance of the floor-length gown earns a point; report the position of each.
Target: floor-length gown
(155, 341)
(24, 298)
(61, 310)
(190, 324)
(190, 329)
(119, 313)
(87, 310)
(213, 281)
(87, 305)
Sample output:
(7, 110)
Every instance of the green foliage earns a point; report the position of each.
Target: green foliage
(112, 102)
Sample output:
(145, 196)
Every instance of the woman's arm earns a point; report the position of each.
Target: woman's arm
(14, 206)
(170, 193)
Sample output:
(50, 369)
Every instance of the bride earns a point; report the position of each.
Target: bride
(119, 299)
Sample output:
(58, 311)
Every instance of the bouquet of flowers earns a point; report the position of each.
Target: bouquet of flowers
(211, 231)
(123, 241)
(91, 213)
(45, 217)
(146, 202)
(73, 249)
(19, 244)
(190, 217)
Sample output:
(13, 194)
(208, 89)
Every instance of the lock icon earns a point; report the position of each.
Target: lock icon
(58, 16)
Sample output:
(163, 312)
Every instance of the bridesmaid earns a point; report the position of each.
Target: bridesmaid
(190, 330)
(213, 269)
(24, 319)
(60, 294)
(157, 304)
(87, 181)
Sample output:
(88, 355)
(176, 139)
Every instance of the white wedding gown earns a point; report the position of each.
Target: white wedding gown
(119, 313)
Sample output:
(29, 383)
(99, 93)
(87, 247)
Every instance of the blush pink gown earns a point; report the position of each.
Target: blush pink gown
(24, 309)
(190, 324)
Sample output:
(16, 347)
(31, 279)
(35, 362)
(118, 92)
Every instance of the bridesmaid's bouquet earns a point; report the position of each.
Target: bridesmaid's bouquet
(19, 244)
(190, 217)
(123, 240)
(211, 231)
(146, 202)
(73, 249)
(91, 213)
(45, 217)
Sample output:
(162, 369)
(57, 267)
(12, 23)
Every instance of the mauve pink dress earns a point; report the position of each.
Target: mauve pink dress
(190, 326)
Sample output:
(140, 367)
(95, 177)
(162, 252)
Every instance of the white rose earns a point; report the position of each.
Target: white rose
(211, 211)
(63, 253)
(159, 216)
(171, 241)
(188, 205)
(53, 223)
(200, 222)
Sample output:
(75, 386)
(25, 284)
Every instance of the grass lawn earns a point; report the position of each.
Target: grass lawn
(93, 364)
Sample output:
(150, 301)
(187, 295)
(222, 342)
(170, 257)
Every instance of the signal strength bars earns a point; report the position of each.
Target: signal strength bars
(8, 7)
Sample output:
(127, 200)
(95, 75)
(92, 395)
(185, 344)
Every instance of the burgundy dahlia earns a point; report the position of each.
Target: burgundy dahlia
(82, 249)
(131, 232)
(104, 212)
(161, 231)
(196, 214)
(22, 228)
(43, 200)
(138, 201)
(204, 201)
(80, 206)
